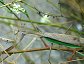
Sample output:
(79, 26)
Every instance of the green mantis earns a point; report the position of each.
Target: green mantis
(66, 40)
(61, 43)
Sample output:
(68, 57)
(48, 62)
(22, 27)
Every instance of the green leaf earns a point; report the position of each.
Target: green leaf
(61, 43)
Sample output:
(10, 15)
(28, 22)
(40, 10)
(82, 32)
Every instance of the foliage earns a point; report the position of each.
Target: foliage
(21, 18)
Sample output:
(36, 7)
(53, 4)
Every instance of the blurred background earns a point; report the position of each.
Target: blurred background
(53, 16)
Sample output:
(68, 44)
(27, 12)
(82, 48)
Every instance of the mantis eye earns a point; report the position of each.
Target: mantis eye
(80, 51)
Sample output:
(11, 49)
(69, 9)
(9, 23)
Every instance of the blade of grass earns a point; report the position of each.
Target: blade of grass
(40, 23)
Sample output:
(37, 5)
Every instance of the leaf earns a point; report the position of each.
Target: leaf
(61, 43)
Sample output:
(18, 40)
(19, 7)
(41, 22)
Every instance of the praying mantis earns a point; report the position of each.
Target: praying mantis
(68, 41)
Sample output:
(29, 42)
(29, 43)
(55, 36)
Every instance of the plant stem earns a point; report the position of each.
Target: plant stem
(39, 49)
(40, 23)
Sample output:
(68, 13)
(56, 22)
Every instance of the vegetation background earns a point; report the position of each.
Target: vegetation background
(19, 18)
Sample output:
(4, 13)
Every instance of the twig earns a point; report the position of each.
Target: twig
(8, 4)
(60, 9)
(72, 61)
(50, 53)
(39, 49)
(68, 28)
(26, 47)
(10, 10)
